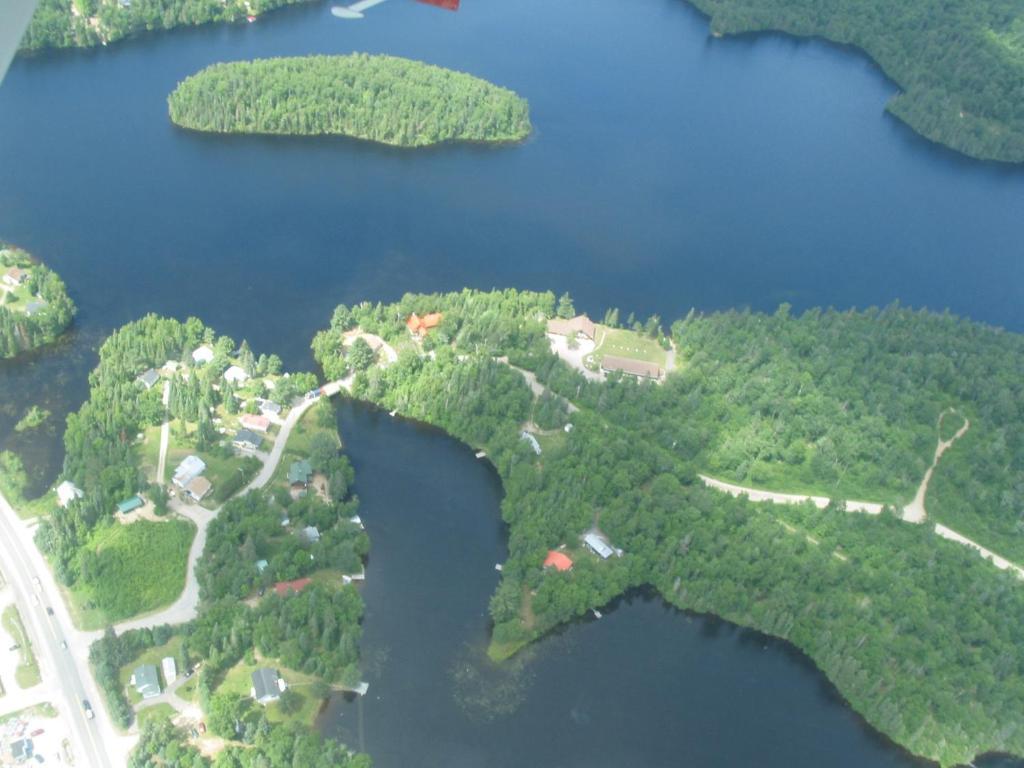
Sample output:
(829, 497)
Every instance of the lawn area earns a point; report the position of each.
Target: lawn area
(46, 709)
(218, 467)
(152, 656)
(27, 673)
(149, 453)
(238, 681)
(300, 440)
(621, 342)
(131, 570)
(187, 690)
(161, 711)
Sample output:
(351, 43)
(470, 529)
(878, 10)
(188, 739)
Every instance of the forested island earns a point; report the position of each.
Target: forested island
(603, 491)
(379, 98)
(34, 304)
(959, 66)
(85, 23)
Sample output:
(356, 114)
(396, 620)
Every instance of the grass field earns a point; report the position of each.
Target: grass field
(27, 673)
(161, 711)
(133, 569)
(299, 442)
(238, 681)
(625, 343)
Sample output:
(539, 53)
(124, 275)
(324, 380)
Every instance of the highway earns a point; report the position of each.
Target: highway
(65, 672)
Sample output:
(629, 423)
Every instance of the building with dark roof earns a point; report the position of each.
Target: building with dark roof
(639, 368)
(247, 440)
(267, 685)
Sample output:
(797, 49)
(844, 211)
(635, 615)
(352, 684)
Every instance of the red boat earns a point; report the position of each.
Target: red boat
(449, 5)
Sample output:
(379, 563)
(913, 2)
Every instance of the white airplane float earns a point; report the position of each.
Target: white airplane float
(355, 11)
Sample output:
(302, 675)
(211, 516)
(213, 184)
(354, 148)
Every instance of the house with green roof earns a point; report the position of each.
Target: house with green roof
(299, 473)
(146, 681)
(130, 505)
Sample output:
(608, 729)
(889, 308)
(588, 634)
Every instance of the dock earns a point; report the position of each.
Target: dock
(481, 454)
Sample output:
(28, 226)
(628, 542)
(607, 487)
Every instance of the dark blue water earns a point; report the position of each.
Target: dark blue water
(667, 171)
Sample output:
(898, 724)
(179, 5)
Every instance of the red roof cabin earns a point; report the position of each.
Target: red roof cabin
(284, 587)
(558, 560)
(421, 326)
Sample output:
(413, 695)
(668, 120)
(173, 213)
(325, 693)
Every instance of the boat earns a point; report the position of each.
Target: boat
(597, 613)
(250, 19)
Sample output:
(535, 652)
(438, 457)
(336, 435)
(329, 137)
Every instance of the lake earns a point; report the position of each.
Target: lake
(668, 170)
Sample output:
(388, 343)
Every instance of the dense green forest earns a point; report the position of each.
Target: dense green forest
(919, 634)
(379, 98)
(22, 329)
(84, 23)
(959, 66)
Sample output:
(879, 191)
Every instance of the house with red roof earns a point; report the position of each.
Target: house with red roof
(421, 326)
(284, 587)
(558, 560)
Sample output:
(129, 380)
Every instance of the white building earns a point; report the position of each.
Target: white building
(170, 669)
(235, 375)
(599, 546)
(203, 354)
(532, 441)
(68, 492)
(190, 468)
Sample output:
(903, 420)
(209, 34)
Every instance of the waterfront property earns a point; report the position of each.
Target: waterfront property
(267, 686)
(641, 369)
(558, 560)
(421, 326)
(16, 276)
(597, 544)
(149, 378)
(203, 354)
(283, 588)
(299, 473)
(236, 375)
(579, 327)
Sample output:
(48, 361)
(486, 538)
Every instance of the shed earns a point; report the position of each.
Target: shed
(146, 681)
(262, 565)
(170, 669)
(130, 504)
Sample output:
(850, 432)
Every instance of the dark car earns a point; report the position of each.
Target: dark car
(49, 611)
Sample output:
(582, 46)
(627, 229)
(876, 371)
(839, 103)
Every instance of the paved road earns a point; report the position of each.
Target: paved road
(65, 673)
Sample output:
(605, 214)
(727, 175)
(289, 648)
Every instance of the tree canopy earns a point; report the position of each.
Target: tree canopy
(379, 98)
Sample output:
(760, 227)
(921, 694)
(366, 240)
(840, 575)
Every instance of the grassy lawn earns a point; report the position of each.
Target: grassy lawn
(187, 690)
(299, 442)
(152, 656)
(46, 709)
(218, 466)
(238, 681)
(161, 711)
(135, 569)
(149, 453)
(27, 673)
(625, 343)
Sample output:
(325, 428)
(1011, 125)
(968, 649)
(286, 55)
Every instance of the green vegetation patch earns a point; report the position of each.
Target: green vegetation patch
(959, 65)
(34, 304)
(34, 417)
(623, 342)
(127, 570)
(384, 99)
(27, 673)
(300, 703)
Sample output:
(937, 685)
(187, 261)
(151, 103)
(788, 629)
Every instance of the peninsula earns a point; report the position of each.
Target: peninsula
(601, 431)
(34, 305)
(384, 99)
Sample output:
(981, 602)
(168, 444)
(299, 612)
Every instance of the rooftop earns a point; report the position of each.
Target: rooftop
(558, 560)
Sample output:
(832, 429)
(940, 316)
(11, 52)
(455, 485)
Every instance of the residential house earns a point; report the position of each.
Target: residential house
(596, 544)
(170, 669)
(190, 468)
(639, 368)
(22, 750)
(421, 326)
(558, 560)
(68, 492)
(267, 686)
(269, 408)
(310, 534)
(254, 422)
(262, 565)
(34, 307)
(149, 378)
(146, 681)
(580, 326)
(246, 440)
(197, 488)
(531, 440)
(203, 354)
(299, 473)
(283, 588)
(16, 276)
(235, 375)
